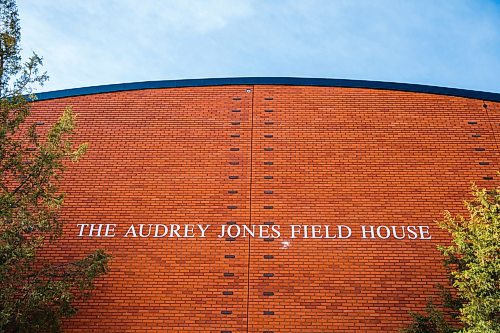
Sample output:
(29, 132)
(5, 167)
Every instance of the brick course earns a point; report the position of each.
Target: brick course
(268, 154)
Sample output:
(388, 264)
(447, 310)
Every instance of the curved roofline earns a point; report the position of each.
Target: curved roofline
(287, 81)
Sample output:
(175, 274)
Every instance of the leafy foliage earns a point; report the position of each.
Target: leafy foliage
(433, 321)
(474, 260)
(473, 263)
(35, 293)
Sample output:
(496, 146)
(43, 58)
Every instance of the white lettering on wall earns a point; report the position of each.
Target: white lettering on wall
(95, 230)
(396, 232)
(306, 231)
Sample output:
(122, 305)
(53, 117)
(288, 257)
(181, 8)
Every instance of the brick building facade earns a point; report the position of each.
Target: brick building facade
(352, 174)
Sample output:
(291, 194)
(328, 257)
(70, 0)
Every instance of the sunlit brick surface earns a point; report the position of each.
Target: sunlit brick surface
(282, 155)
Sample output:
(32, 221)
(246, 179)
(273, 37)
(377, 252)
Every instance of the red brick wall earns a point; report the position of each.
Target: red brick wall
(339, 156)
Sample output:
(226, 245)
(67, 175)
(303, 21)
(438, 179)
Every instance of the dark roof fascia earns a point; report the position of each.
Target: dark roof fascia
(286, 81)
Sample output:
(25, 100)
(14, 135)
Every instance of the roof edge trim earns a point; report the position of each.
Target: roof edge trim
(287, 81)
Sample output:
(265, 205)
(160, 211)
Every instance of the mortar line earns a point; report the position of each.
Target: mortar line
(250, 210)
(491, 125)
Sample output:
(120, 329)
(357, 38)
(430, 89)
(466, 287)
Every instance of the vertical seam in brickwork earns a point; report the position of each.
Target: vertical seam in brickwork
(485, 107)
(250, 212)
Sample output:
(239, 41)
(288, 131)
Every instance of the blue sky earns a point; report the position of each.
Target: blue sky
(449, 43)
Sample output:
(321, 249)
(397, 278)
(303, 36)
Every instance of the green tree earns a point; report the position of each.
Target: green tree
(474, 258)
(34, 293)
(473, 263)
